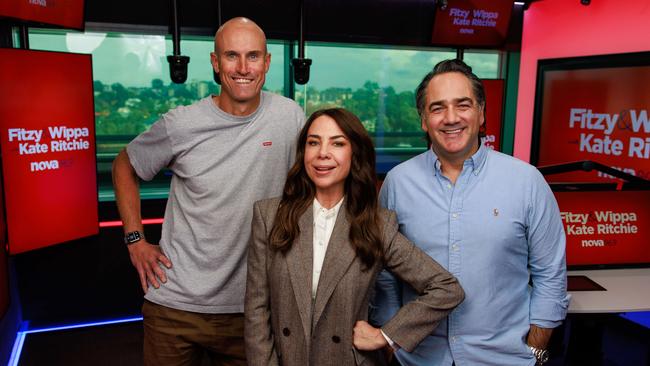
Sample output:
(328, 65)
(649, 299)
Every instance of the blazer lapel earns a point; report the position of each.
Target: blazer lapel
(300, 262)
(338, 258)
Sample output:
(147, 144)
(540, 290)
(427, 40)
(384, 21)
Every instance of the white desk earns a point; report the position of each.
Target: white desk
(627, 290)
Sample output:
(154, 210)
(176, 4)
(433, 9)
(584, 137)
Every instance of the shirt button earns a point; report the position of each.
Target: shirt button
(320, 243)
(454, 215)
(317, 271)
(448, 185)
(453, 339)
(454, 247)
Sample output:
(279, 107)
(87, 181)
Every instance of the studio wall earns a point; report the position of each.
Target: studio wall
(566, 28)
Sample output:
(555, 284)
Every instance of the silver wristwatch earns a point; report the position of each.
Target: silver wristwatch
(541, 355)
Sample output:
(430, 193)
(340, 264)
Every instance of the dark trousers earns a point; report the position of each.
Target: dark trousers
(176, 337)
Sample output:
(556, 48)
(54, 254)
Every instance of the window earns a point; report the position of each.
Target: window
(132, 88)
(378, 85)
(485, 64)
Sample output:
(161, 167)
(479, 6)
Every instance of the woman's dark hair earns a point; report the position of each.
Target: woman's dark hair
(360, 191)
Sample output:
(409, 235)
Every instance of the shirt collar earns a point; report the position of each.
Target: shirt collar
(475, 162)
(319, 210)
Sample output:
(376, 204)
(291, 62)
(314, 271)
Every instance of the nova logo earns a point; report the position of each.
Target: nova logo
(593, 243)
(44, 165)
(42, 3)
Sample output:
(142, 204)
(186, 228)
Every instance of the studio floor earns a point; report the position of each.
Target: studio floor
(584, 340)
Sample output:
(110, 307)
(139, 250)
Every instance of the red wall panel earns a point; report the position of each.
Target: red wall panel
(563, 28)
(47, 133)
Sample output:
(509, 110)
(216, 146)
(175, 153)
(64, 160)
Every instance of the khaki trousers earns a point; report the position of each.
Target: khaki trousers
(177, 337)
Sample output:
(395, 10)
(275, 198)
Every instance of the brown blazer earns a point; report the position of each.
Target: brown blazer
(284, 327)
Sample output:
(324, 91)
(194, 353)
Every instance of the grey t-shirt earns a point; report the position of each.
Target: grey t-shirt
(221, 165)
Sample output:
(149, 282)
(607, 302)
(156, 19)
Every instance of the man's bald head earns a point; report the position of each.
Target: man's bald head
(237, 25)
(241, 61)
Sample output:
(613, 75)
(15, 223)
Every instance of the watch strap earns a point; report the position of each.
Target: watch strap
(541, 355)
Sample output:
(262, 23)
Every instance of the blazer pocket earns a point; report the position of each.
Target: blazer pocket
(368, 358)
(359, 358)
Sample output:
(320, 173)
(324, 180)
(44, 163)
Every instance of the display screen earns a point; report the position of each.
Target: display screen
(593, 108)
(472, 23)
(47, 135)
(64, 13)
(606, 228)
(493, 113)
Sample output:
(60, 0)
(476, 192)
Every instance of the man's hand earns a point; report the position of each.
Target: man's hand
(365, 337)
(145, 258)
(539, 337)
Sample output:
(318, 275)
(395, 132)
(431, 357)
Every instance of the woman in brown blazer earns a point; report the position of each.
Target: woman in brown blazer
(314, 255)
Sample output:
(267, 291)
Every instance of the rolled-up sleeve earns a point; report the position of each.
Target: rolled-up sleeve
(547, 260)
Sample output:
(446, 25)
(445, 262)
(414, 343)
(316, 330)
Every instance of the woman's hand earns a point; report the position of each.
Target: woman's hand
(365, 337)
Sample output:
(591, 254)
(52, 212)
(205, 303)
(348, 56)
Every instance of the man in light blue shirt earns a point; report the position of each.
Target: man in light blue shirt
(491, 220)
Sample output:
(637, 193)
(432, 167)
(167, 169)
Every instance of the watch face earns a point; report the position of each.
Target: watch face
(132, 237)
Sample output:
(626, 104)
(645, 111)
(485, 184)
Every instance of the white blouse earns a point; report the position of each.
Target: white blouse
(324, 220)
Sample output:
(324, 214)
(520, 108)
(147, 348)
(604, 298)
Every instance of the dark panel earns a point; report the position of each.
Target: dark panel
(5, 33)
(83, 280)
(280, 19)
(115, 344)
(405, 22)
(513, 41)
(11, 321)
(138, 12)
(390, 22)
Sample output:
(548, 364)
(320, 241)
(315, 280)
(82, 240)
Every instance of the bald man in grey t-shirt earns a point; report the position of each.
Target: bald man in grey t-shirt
(225, 152)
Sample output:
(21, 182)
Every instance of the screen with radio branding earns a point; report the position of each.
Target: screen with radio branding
(47, 138)
(472, 23)
(606, 228)
(494, 112)
(593, 108)
(64, 13)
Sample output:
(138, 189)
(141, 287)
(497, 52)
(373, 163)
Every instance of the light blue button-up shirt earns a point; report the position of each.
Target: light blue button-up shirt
(495, 229)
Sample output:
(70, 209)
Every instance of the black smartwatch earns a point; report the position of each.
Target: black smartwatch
(541, 355)
(133, 237)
